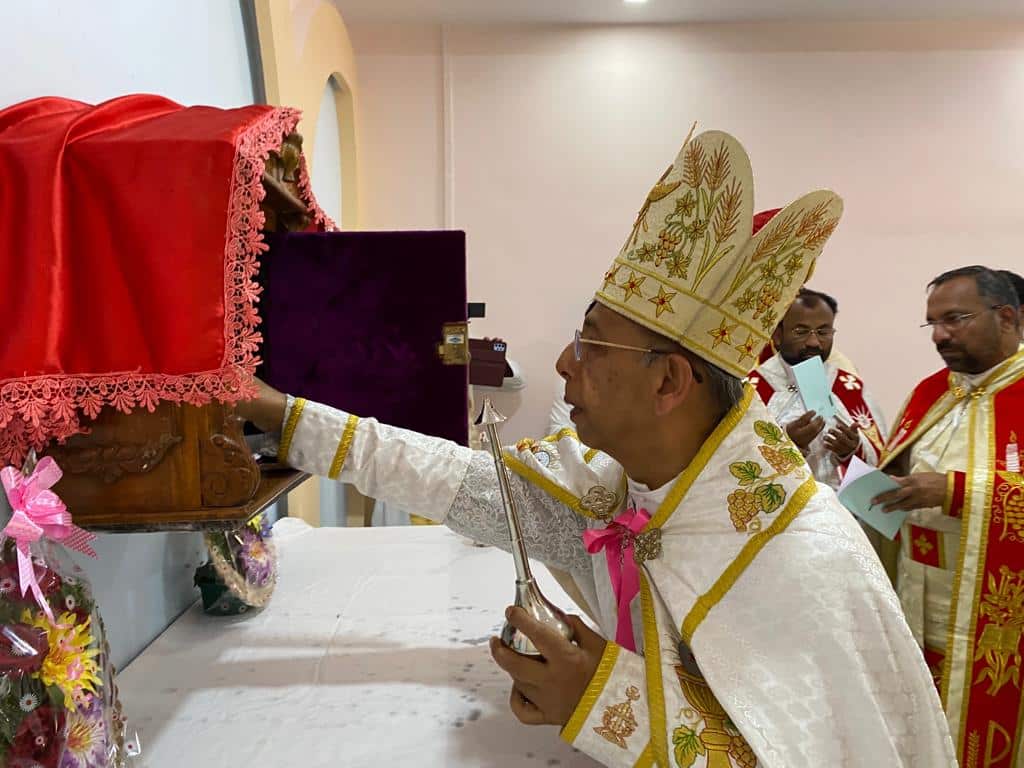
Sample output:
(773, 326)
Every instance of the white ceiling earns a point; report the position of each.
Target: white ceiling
(659, 11)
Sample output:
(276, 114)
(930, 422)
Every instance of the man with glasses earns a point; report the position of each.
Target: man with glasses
(955, 452)
(743, 619)
(807, 330)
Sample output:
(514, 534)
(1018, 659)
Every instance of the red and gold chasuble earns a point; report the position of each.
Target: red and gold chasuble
(979, 670)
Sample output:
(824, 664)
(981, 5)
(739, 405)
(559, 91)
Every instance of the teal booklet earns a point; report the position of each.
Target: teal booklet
(861, 484)
(813, 385)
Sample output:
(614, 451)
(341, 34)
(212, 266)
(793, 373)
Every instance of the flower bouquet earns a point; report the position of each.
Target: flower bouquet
(58, 703)
(242, 570)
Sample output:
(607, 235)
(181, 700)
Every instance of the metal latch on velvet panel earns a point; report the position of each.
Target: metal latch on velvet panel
(454, 350)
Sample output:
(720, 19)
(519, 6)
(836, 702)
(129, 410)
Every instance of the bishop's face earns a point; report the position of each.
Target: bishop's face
(610, 388)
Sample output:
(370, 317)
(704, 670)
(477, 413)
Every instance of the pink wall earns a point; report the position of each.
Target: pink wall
(552, 137)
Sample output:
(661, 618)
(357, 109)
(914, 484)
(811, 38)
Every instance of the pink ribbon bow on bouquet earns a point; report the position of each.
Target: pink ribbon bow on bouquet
(39, 512)
(617, 541)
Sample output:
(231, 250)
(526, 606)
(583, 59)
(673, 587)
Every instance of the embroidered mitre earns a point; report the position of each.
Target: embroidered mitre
(690, 268)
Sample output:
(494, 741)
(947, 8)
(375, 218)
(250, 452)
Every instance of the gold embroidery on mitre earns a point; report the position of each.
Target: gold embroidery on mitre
(696, 274)
(609, 276)
(663, 301)
(723, 333)
(749, 349)
(618, 722)
(632, 286)
(658, 192)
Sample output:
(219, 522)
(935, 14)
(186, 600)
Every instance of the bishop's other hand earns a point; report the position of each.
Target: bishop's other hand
(546, 690)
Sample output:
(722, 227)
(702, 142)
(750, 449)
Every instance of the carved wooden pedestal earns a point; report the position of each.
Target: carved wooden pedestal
(180, 467)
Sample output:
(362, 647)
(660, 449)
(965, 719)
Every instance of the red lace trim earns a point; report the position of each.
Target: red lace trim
(321, 219)
(36, 410)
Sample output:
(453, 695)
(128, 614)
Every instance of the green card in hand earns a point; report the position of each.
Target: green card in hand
(861, 484)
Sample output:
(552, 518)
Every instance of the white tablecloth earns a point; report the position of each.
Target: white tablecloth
(373, 652)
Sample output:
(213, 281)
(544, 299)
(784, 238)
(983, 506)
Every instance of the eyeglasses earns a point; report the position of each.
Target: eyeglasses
(956, 321)
(579, 341)
(824, 334)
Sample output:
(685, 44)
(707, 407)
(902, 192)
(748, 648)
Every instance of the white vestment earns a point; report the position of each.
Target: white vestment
(766, 630)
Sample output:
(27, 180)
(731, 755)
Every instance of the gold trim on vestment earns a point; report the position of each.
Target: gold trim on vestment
(563, 432)
(692, 472)
(646, 759)
(553, 489)
(966, 515)
(545, 484)
(947, 502)
(658, 746)
(289, 429)
(746, 556)
(571, 730)
(927, 422)
(936, 412)
(975, 523)
(343, 447)
(652, 667)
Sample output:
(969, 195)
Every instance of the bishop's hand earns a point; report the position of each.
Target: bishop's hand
(545, 691)
(266, 410)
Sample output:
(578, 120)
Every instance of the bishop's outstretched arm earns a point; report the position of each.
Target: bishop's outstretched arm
(425, 475)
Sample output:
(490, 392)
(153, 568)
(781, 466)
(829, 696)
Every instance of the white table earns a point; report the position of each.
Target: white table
(373, 652)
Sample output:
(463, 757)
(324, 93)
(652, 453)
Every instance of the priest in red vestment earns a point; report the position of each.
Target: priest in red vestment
(961, 561)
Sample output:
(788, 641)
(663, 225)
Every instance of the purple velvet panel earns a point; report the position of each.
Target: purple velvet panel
(353, 320)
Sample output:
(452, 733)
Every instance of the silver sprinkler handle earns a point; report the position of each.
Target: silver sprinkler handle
(528, 596)
(523, 573)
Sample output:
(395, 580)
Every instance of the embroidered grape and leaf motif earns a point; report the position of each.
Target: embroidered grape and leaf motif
(758, 491)
(706, 731)
(688, 745)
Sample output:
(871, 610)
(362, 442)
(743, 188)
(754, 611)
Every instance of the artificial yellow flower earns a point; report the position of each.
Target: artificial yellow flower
(70, 663)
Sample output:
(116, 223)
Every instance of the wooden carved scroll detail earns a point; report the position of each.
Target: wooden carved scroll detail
(112, 461)
(229, 474)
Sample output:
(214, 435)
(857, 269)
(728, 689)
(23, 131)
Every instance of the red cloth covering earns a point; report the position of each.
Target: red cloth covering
(129, 237)
(762, 218)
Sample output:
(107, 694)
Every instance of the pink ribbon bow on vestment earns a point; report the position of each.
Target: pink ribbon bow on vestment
(617, 541)
(39, 512)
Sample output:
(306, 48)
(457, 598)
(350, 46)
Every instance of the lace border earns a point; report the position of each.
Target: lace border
(36, 410)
